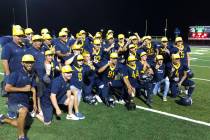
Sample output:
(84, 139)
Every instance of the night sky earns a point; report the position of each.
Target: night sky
(93, 15)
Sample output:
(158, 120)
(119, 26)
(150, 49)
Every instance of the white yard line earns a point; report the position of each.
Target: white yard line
(193, 58)
(196, 53)
(201, 79)
(173, 116)
(202, 50)
(200, 66)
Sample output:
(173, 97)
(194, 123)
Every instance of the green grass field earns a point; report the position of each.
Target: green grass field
(118, 123)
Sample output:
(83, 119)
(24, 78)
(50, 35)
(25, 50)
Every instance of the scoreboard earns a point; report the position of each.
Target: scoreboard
(199, 33)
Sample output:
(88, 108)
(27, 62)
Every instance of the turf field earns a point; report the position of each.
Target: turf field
(118, 123)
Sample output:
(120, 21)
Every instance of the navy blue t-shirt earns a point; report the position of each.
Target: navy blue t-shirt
(59, 87)
(159, 74)
(39, 61)
(20, 79)
(63, 48)
(13, 53)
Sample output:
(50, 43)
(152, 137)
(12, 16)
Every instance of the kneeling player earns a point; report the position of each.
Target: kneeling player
(61, 94)
(179, 77)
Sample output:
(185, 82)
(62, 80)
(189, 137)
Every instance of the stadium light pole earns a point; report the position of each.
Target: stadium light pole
(166, 27)
(13, 13)
(26, 10)
(145, 28)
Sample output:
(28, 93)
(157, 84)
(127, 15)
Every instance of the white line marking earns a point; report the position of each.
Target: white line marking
(173, 115)
(201, 79)
(200, 66)
(197, 53)
(202, 50)
(193, 58)
(199, 48)
(1, 73)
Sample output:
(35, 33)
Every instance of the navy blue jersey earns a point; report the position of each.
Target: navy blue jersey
(150, 50)
(132, 73)
(182, 52)
(77, 77)
(166, 54)
(59, 87)
(20, 79)
(179, 70)
(111, 73)
(13, 53)
(97, 57)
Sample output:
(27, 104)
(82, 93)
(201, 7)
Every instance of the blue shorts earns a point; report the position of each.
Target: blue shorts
(13, 110)
(62, 100)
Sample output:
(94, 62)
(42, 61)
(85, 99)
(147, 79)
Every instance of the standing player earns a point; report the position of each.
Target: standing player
(19, 86)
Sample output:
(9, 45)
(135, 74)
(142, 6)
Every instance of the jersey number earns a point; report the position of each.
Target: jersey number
(80, 76)
(111, 74)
